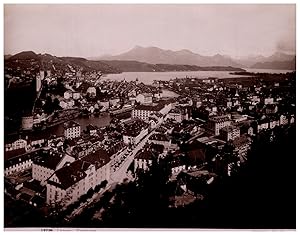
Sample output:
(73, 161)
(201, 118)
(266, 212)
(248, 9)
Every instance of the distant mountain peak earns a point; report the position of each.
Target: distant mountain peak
(186, 51)
(24, 55)
(137, 47)
(218, 56)
(156, 55)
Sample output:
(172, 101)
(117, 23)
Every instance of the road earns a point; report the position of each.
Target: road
(95, 198)
(121, 173)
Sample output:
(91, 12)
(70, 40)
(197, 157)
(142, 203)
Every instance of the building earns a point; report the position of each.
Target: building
(215, 124)
(18, 163)
(292, 119)
(92, 130)
(134, 132)
(178, 115)
(16, 144)
(47, 163)
(283, 120)
(66, 103)
(76, 95)
(114, 101)
(48, 73)
(195, 181)
(160, 139)
(72, 130)
(241, 146)
(262, 124)
(144, 98)
(27, 122)
(104, 104)
(274, 123)
(268, 101)
(42, 75)
(144, 111)
(143, 160)
(176, 164)
(70, 182)
(271, 109)
(229, 133)
(238, 118)
(68, 94)
(38, 83)
(91, 91)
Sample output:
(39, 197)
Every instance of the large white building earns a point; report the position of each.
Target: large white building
(70, 182)
(144, 111)
(144, 98)
(215, 124)
(46, 164)
(143, 160)
(72, 130)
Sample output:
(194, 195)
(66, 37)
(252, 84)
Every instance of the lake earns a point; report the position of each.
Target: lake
(149, 77)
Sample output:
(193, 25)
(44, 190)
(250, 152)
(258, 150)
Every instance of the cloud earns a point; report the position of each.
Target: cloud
(287, 45)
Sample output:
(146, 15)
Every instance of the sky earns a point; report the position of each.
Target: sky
(95, 30)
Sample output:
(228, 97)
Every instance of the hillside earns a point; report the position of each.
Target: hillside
(155, 55)
(257, 61)
(284, 65)
(135, 66)
(29, 59)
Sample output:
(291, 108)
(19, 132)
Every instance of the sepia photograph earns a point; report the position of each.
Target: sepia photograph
(149, 116)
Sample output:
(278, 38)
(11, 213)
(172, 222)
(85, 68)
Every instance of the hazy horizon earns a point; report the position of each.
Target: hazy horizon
(95, 30)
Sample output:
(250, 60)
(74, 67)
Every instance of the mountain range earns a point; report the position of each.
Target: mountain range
(150, 59)
(155, 55)
(29, 59)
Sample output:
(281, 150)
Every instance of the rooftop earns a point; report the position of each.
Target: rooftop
(222, 118)
(146, 94)
(48, 159)
(240, 141)
(159, 137)
(229, 128)
(134, 128)
(71, 174)
(70, 124)
(98, 158)
(146, 154)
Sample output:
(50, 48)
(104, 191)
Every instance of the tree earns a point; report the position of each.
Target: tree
(97, 188)
(56, 105)
(90, 193)
(104, 183)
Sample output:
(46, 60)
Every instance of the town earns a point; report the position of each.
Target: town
(199, 135)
